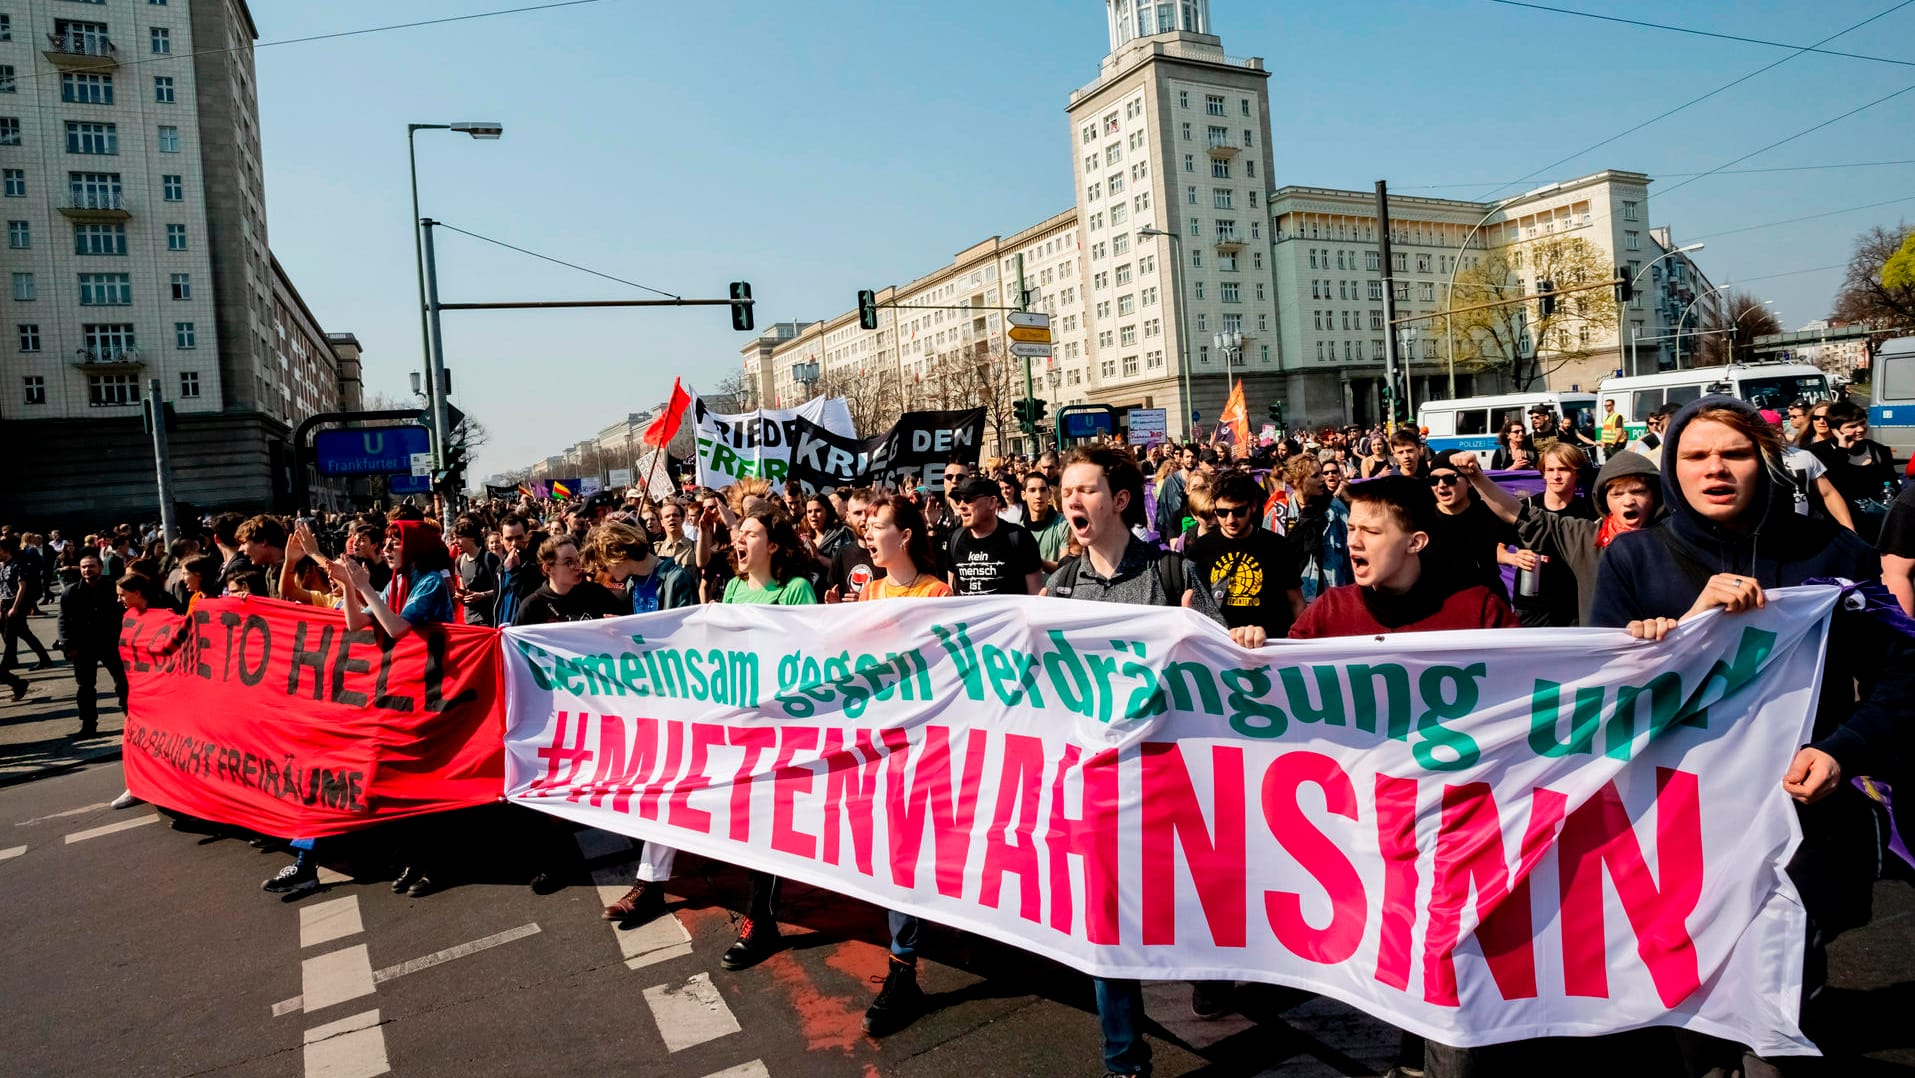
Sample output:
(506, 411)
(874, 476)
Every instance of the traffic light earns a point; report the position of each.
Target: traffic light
(1625, 287)
(1021, 408)
(1276, 413)
(867, 309)
(1546, 296)
(741, 306)
(1039, 406)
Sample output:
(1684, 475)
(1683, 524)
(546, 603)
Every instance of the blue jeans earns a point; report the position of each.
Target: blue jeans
(904, 935)
(1120, 1008)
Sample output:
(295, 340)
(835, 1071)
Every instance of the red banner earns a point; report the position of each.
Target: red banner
(276, 717)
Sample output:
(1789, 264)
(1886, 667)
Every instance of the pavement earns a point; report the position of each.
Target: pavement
(39, 735)
(136, 945)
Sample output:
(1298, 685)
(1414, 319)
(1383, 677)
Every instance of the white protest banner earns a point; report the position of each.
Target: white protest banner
(1148, 426)
(731, 447)
(1478, 836)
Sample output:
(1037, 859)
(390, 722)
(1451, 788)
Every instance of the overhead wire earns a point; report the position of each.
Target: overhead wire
(1703, 33)
(1806, 217)
(1677, 175)
(1659, 117)
(1665, 192)
(557, 261)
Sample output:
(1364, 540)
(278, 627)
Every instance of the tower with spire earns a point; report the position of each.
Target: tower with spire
(1173, 136)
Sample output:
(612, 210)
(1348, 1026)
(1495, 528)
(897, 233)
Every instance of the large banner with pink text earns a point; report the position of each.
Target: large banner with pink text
(1478, 836)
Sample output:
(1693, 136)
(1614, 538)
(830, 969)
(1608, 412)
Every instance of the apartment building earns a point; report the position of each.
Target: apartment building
(135, 207)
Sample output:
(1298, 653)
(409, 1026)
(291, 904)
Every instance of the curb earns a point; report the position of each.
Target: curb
(62, 768)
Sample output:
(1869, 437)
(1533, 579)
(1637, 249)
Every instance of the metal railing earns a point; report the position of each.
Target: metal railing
(81, 44)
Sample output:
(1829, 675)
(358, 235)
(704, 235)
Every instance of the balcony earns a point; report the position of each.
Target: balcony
(95, 206)
(81, 52)
(1223, 149)
(108, 360)
(1229, 243)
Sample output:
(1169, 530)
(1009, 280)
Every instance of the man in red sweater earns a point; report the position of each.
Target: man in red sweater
(1390, 522)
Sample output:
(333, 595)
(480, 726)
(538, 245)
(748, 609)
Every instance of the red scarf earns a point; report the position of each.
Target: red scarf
(1607, 532)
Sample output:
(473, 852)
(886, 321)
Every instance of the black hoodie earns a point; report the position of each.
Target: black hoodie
(1660, 572)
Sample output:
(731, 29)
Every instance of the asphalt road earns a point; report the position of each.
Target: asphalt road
(133, 948)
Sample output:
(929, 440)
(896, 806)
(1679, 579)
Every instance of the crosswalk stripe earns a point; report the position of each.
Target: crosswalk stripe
(691, 1013)
(81, 811)
(470, 947)
(657, 940)
(335, 977)
(352, 1047)
(12, 852)
(107, 829)
(753, 1069)
(324, 922)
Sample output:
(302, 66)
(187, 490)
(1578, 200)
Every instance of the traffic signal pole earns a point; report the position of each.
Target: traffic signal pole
(162, 460)
(1388, 268)
(1030, 392)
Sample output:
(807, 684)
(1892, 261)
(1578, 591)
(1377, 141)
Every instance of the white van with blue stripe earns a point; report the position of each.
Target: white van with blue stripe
(1473, 423)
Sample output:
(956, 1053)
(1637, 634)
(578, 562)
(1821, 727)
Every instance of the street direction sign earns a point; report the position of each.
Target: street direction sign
(1021, 348)
(369, 450)
(1032, 319)
(422, 464)
(1031, 334)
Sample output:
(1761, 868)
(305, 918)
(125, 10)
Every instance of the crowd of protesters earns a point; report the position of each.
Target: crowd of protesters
(1327, 533)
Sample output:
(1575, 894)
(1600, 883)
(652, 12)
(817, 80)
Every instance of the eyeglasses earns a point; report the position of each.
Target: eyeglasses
(1233, 511)
(1444, 480)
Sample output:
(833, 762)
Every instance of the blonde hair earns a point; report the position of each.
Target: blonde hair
(1567, 455)
(749, 487)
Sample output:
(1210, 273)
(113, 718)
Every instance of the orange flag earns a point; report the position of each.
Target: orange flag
(1235, 415)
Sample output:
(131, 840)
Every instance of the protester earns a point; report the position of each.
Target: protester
(519, 576)
(1406, 454)
(566, 594)
(1897, 545)
(90, 614)
(1045, 521)
(1466, 537)
(475, 570)
(1861, 470)
(1252, 572)
(990, 555)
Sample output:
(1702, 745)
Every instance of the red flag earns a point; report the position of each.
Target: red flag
(665, 427)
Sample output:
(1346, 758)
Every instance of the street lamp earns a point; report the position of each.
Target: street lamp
(1456, 264)
(478, 130)
(1620, 311)
(1183, 342)
(1684, 320)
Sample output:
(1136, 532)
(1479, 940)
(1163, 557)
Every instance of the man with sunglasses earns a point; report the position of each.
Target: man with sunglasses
(1252, 571)
(1467, 539)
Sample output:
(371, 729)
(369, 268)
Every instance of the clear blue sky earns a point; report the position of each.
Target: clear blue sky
(814, 149)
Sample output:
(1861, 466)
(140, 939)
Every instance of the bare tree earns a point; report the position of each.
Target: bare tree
(871, 393)
(1734, 323)
(988, 376)
(1517, 340)
(1872, 293)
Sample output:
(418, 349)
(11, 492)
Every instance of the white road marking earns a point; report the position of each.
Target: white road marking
(594, 844)
(753, 1069)
(414, 965)
(691, 1013)
(328, 876)
(471, 947)
(107, 829)
(12, 852)
(352, 1047)
(335, 977)
(81, 811)
(655, 941)
(324, 922)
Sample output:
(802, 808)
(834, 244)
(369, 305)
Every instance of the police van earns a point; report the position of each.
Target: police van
(1774, 386)
(1891, 412)
(1473, 423)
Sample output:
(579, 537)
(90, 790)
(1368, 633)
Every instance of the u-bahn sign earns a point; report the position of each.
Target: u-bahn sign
(369, 450)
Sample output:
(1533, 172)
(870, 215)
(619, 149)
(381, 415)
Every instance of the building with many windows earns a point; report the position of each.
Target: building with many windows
(133, 192)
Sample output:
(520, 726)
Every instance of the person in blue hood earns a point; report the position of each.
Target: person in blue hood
(1731, 532)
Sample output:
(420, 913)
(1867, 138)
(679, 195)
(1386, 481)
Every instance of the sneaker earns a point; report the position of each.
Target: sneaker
(899, 1002)
(422, 886)
(295, 878)
(126, 800)
(403, 882)
(644, 902)
(757, 941)
(1210, 1000)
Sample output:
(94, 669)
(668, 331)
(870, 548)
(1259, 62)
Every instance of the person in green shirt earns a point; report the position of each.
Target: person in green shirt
(1046, 524)
(771, 572)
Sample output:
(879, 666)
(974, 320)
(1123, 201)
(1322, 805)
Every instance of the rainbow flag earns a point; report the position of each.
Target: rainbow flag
(560, 489)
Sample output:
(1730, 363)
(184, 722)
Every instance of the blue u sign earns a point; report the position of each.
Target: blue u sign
(369, 450)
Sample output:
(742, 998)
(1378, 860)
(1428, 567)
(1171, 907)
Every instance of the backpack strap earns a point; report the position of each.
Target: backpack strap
(1170, 570)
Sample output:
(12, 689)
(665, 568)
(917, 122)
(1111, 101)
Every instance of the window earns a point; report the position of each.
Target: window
(9, 130)
(1246, 138)
(176, 237)
(182, 286)
(99, 239)
(1213, 104)
(1127, 335)
(6, 28)
(1229, 292)
(9, 83)
(106, 289)
(1220, 197)
(1426, 291)
(112, 390)
(1245, 102)
(1110, 124)
(1127, 303)
(86, 89)
(36, 389)
(1090, 134)
(1100, 280)
(1219, 170)
(162, 41)
(1107, 368)
(1226, 231)
(92, 138)
(1197, 259)
(1190, 159)
(1376, 349)
(29, 336)
(189, 384)
(1130, 365)
(1116, 182)
(172, 189)
(169, 139)
(1147, 264)
(1113, 153)
(1376, 319)
(16, 182)
(1217, 135)
(1200, 295)
(1320, 352)
(1399, 262)
(107, 341)
(19, 235)
(1123, 274)
(1153, 327)
(1148, 296)
(1183, 99)
(94, 190)
(1250, 167)
(1376, 290)
(1118, 213)
(23, 291)
(1185, 130)
(1628, 211)
(1632, 240)
(1422, 263)
(1259, 291)
(163, 89)
(183, 336)
(1203, 350)
(1227, 260)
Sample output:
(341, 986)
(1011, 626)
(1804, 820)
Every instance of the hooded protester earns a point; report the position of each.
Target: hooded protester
(1626, 492)
(1732, 533)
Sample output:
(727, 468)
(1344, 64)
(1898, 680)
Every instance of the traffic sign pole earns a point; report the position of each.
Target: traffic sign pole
(1030, 425)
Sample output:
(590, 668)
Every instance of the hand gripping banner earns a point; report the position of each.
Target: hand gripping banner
(275, 717)
(1478, 836)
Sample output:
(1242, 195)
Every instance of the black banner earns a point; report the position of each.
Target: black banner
(912, 452)
(508, 491)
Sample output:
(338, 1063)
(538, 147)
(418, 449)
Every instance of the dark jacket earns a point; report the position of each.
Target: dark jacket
(90, 618)
(515, 587)
(1573, 539)
(1660, 572)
